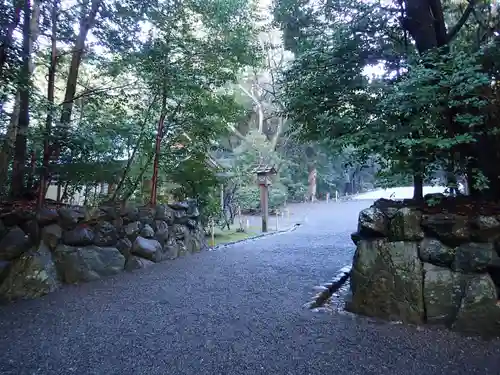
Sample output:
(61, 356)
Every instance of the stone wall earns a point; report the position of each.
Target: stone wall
(39, 252)
(419, 267)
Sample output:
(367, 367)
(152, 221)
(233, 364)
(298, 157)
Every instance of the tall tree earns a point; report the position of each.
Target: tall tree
(422, 110)
(18, 169)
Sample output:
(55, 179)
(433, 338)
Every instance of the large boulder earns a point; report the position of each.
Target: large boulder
(147, 216)
(79, 236)
(475, 257)
(179, 206)
(69, 217)
(435, 252)
(386, 281)
(192, 242)
(372, 223)
(192, 211)
(17, 217)
(118, 224)
(105, 234)
(178, 232)
(171, 249)
(442, 293)
(51, 235)
(450, 229)
(356, 237)
(388, 206)
(165, 213)
(183, 250)
(13, 244)
(147, 231)
(30, 276)
(485, 228)
(479, 311)
(81, 264)
(161, 233)
(180, 217)
(124, 245)
(109, 212)
(132, 230)
(135, 263)
(147, 248)
(405, 225)
(47, 216)
(191, 224)
(129, 213)
(32, 230)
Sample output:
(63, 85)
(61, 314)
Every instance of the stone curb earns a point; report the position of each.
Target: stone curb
(249, 239)
(327, 289)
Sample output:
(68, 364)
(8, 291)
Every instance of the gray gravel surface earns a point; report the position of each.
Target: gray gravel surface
(233, 311)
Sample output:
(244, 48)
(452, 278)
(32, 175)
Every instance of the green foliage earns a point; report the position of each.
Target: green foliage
(419, 115)
(278, 195)
(182, 68)
(248, 198)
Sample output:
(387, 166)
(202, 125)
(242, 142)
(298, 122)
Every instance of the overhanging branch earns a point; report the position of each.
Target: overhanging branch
(461, 22)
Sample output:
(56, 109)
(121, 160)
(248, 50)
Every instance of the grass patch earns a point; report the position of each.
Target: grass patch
(231, 235)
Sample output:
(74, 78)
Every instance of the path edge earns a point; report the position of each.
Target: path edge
(249, 239)
(327, 289)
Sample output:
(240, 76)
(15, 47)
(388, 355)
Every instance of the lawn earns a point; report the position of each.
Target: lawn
(231, 235)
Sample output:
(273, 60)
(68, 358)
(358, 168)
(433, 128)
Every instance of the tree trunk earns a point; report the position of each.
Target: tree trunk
(312, 183)
(30, 184)
(8, 143)
(86, 24)
(10, 138)
(260, 111)
(159, 137)
(418, 187)
(19, 165)
(425, 22)
(7, 40)
(44, 177)
(59, 188)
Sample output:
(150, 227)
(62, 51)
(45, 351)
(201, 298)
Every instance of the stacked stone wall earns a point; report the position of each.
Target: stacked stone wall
(40, 251)
(420, 267)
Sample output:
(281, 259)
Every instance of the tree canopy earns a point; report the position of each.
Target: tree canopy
(433, 102)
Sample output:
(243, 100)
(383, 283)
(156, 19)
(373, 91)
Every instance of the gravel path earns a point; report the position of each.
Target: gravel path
(233, 311)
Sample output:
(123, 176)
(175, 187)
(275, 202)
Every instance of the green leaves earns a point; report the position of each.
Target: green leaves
(417, 114)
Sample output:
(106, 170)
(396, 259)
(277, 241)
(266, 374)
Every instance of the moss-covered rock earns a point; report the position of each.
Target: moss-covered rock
(405, 225)
(386, 281)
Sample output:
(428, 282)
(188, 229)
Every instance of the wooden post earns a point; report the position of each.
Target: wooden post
(240, 220)
(222, 197)
(212, 232)
(264, 206)
(264, 180)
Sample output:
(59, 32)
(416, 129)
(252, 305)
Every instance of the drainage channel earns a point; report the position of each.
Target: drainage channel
(332, 291)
